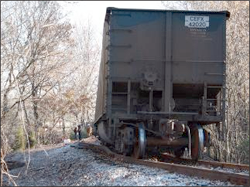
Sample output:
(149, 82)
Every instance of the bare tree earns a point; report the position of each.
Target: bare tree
(72, 101)
(49, 72)
(83, 83)
(35, 46)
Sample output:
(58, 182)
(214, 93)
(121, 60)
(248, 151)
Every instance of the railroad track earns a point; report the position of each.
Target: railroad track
(170, 158)
(205, 173)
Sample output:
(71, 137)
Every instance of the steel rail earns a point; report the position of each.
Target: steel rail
(169, 157)
(234, 178)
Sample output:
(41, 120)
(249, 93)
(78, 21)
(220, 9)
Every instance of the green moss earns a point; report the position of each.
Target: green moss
(20, 140)
(32, 139)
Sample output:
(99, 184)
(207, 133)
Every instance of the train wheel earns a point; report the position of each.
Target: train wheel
(121, 146)
(197, 142)
(140, 142)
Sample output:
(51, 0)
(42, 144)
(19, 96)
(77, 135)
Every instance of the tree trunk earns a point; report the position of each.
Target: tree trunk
(63, 127)
(35, 112)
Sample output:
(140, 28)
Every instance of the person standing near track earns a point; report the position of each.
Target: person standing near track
(75, 131)
(79, 132)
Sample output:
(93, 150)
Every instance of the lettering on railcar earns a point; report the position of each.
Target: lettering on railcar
(197, 21)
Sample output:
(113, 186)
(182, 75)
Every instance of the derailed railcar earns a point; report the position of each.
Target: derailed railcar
(162, 79)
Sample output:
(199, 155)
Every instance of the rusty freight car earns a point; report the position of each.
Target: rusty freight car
(162, 79)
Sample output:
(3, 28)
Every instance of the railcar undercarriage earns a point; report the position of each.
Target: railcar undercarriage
(133, 139)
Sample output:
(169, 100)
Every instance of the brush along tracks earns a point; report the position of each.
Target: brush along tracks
(206, 173)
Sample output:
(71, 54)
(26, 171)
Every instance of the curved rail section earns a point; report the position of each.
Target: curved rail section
(234, 178)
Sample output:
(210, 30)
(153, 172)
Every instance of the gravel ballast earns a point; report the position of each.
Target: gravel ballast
(69, 166)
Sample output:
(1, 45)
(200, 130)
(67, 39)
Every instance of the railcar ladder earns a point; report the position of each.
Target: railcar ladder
(212, 106)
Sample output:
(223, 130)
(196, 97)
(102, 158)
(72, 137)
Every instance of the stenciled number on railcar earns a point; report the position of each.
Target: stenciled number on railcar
(197, 21)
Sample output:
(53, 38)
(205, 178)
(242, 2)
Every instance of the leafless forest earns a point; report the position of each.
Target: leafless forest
(48, 74)
(49, 71)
